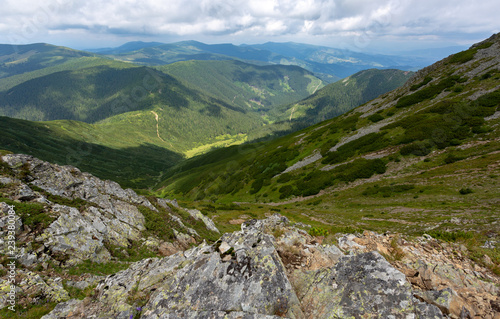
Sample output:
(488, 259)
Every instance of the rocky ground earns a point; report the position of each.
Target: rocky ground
(271, 268)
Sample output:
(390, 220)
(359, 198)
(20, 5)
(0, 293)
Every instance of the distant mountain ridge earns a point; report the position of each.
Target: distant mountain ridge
(333, 63)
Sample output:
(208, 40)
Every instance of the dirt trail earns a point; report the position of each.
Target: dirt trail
(157, 129)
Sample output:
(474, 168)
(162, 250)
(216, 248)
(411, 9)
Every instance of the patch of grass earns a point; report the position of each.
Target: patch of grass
(397, 253)
(89, 267)
(452, 236)
(389, 190)
(31, 312)
(33, 215)
(318, 231)
(77, 293)
(375, 117)
(158, 224)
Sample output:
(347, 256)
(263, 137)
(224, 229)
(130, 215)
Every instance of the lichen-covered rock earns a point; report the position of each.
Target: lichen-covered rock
(252, 281)
(196, 214)
(76, 236)
(360, 286)
(70, 182)
(34, 288)
(447, 300)
(430, 266)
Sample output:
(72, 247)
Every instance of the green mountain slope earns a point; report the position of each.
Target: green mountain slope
(342, 96)
(18, 59)
(88, 94)
(248, 86)
(136, 100)
(410, 160)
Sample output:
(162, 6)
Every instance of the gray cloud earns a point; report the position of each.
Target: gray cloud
(26, 20)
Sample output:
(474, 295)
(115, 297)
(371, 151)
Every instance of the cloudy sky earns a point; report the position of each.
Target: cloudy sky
(362, 25)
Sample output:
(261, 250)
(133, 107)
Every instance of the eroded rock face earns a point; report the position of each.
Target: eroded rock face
(360, 286)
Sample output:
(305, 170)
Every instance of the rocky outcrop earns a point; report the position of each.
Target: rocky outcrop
(269, 269)
(63, 217)
(439, 272)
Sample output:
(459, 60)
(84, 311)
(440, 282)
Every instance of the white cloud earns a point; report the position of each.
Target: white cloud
(29, 20)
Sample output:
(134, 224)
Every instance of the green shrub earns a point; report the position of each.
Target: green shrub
(375, 117)
(325, 148)
(452, 158)
(359, 168)
(368, 143)
(284, 178)
(318, 231)
(33, 215)
(428, 92)
(418, 148)
(158, 223)
(465, 191)
(462, 57)
(426, 80)
(489, 100)
(286, 191)
(256, 186)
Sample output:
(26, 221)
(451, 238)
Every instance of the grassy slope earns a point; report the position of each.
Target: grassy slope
(410, 160)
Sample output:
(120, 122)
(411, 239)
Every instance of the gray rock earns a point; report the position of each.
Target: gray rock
(253, 281)
(446, 300)
(24, 193)
(360, 286)
(347, 243)
(27, 259)
(196, 214)
(63, 309)
(70, 182)
(427, 311)
(489, 244)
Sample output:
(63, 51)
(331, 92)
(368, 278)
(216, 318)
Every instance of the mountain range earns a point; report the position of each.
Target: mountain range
(329, 63)
(178, 110)
(260, 189)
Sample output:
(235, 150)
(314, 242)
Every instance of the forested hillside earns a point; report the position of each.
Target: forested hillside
(261, 88)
